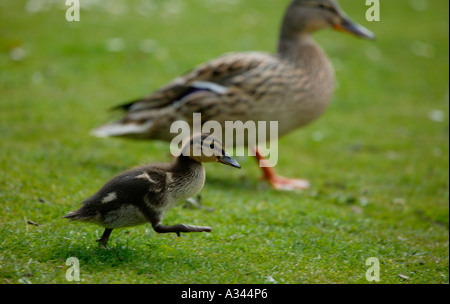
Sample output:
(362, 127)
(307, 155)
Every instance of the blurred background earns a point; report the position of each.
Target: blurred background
(379, 153)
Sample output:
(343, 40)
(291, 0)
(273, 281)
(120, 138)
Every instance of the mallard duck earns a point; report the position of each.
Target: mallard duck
(293, 86)
(143, 194)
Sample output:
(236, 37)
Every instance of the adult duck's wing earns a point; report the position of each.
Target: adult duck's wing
(213, 77)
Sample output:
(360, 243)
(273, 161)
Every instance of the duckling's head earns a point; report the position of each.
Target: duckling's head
(205, 148)
(308, 16)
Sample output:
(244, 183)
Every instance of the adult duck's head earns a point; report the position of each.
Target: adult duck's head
(308, 16)
(205, 148)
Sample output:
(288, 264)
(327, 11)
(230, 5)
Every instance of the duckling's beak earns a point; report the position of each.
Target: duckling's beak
(228, 160)
(353, 28)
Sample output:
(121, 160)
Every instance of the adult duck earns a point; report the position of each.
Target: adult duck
(293, 86)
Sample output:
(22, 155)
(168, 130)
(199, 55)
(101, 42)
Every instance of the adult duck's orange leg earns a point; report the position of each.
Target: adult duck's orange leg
(278, 182)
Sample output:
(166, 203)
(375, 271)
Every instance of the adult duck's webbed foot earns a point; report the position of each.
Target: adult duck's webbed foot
(276, 181)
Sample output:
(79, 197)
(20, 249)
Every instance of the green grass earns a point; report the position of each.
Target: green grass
(377, 163)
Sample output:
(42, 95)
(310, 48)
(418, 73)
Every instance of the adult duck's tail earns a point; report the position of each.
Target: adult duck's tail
(121, 129)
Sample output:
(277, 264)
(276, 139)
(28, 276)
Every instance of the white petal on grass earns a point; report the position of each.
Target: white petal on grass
(437, 152)
(373, 53)
(437, 115)
(270, 279)
(399, 201)
(423, 49)
(36, 6)
(17, 54)
(145, 8)
(161, 53)
(363, 201)
(221, 5)
(115, 7)
(148, 46)
(393, 155)
(337, 63)
(419, 5)
(318, 136)
(115, 44)
(173, 7)
(37, 77)
(252, 18)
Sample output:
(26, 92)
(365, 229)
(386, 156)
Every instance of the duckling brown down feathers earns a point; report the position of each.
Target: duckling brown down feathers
(143, 194)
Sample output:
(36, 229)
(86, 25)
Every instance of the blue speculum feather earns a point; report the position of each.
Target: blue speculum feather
(192, 91)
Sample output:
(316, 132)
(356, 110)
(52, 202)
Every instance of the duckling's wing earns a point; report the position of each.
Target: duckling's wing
(149, 117)
(134, 187)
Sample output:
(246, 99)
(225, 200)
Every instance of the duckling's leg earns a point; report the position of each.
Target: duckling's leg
(103, 240)
(194, 203)
(180, 228)
(279, 182)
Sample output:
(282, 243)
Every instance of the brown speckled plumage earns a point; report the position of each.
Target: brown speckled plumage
(142, 195)
(293, 86)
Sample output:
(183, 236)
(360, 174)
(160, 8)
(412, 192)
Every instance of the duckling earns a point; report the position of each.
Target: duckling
(293, 86)
(145, 193)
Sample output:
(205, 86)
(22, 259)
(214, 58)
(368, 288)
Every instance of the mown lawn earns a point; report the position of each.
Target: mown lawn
(377, 160)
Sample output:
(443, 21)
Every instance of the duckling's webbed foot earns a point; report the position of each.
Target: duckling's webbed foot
(180, 228)
(103, 240)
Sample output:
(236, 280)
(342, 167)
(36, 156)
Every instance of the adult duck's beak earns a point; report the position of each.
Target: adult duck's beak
(351, 27)
(228, 160)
